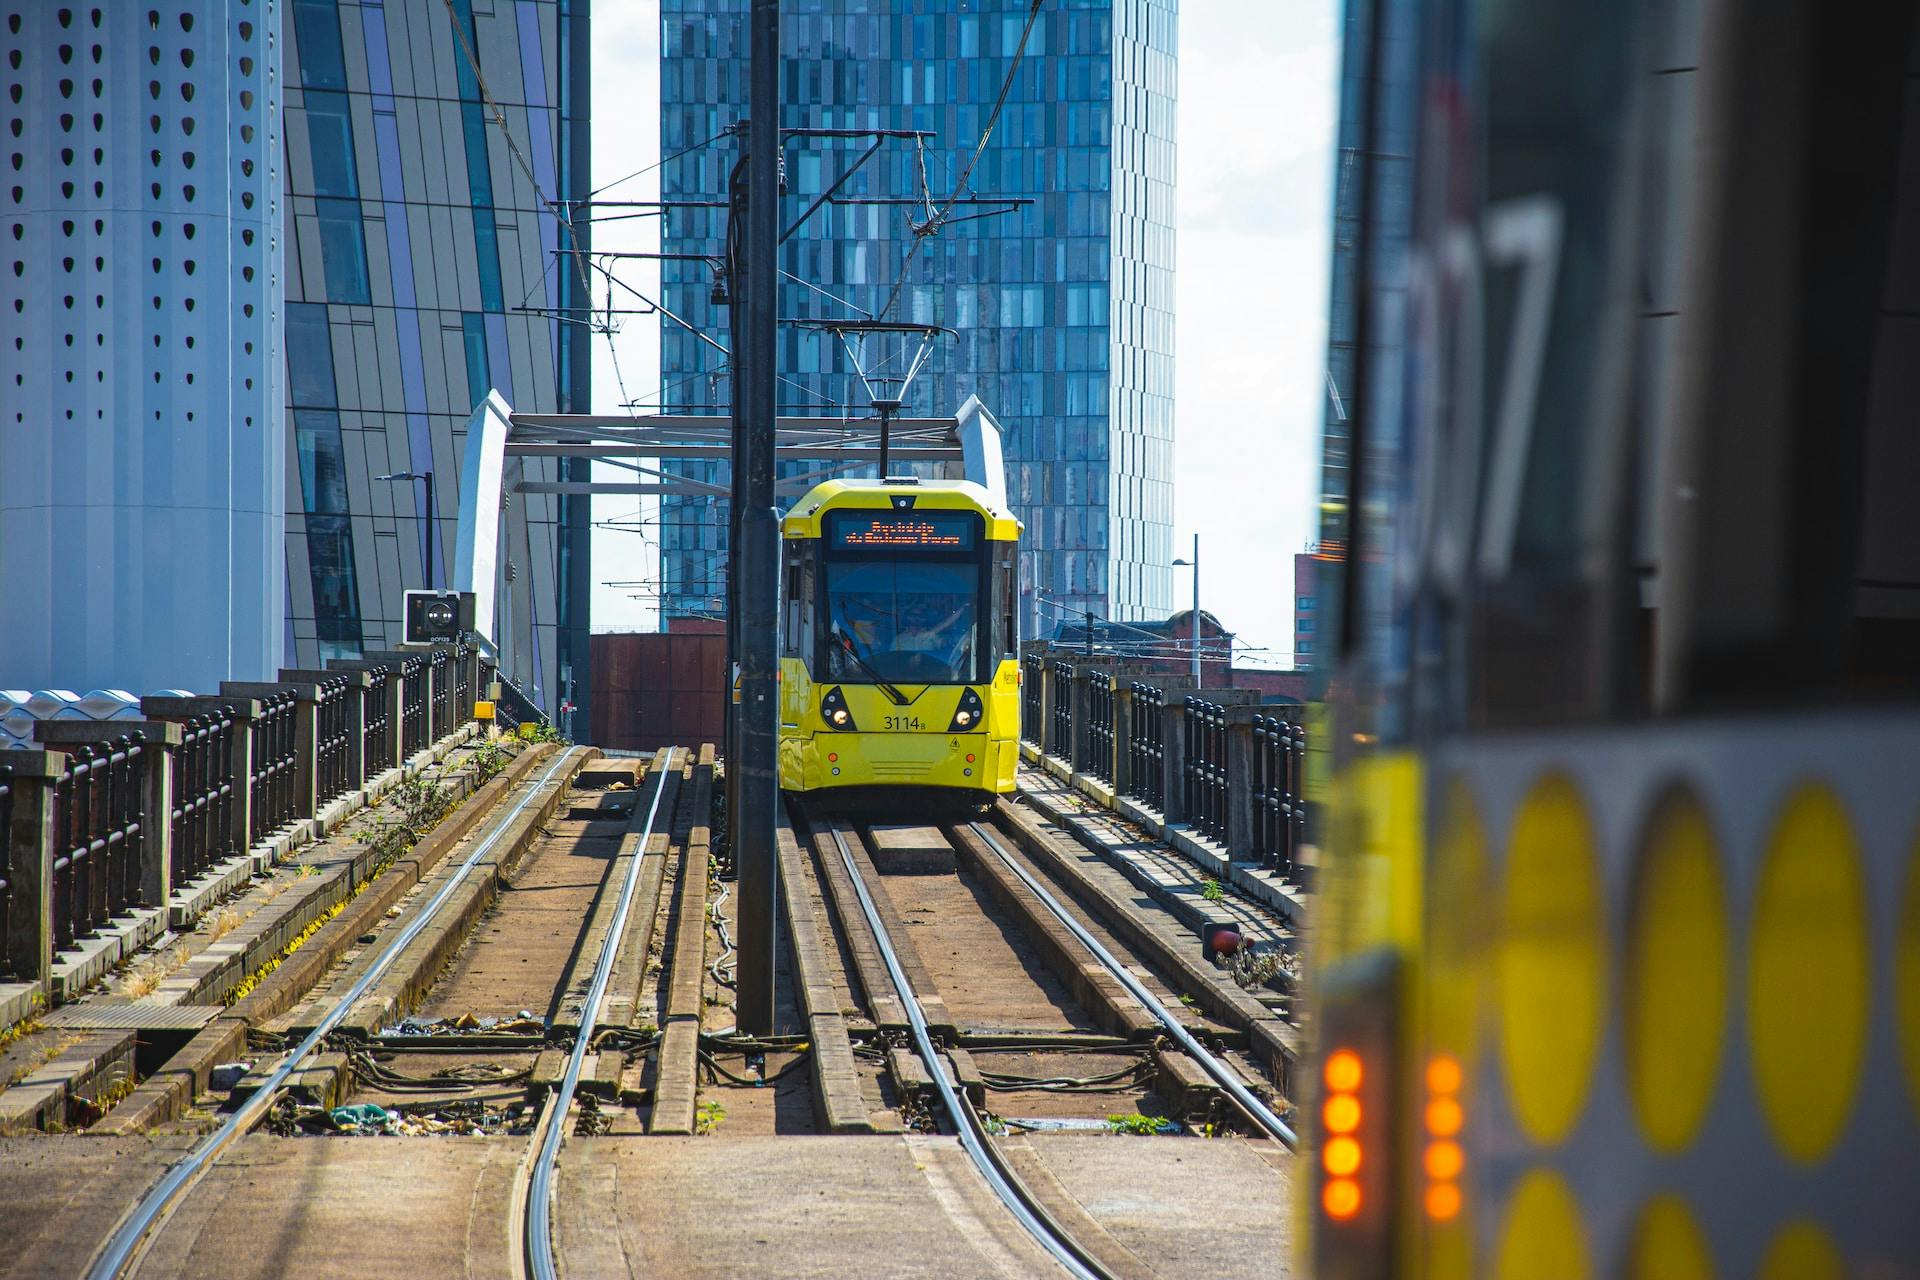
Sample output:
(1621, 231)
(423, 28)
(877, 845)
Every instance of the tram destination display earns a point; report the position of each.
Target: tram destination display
(890, 530)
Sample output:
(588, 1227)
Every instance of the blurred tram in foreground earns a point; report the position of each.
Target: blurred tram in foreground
(899, 676)
(1618, 949)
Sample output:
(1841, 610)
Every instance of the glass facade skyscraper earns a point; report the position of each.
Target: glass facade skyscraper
(422, 270)
(1063, 309)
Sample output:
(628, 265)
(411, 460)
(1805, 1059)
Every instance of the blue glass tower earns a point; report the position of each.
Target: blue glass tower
(1063, 310)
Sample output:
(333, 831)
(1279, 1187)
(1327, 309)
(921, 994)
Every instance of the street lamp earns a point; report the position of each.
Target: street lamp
(1199, 680)
(428, 477)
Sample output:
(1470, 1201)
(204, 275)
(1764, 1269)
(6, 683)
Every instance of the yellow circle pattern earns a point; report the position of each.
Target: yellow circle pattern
(1802, 1251)
(1542, 1235)
(1906, 979)
(1674, 1002)
(1668, 1244)
(1553, 961)
(1809, 975)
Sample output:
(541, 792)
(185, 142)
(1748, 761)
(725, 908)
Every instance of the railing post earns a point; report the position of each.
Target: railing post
(1078, 684)
(1173, 758)
(29, 934)
(1122, 733)
(1240, 767)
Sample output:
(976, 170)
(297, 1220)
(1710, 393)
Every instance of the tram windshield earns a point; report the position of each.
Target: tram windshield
(911, 621)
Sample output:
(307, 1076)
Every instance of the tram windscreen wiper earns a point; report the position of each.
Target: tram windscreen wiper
(846, 643)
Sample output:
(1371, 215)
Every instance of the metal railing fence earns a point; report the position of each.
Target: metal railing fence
(1060, 736)
(99, 815)
(275, 764)
(442, 718)
(332, 769)
(1033, 675)
(414, 713)
(1146, 746)
(376, 726)
(203, 795)
(1279, 748)
(1099, 738)
(1205, 767)
(8, 876)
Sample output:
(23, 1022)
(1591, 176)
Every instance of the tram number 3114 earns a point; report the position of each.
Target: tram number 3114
(905, 722)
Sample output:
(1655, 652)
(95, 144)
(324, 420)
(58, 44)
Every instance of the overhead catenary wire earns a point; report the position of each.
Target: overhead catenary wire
(960, 188)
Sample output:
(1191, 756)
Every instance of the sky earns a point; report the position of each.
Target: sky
(1255, 136)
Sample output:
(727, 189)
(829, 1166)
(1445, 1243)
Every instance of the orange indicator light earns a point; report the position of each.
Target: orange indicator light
(1443, 1117)
(969, 757)
(1443, 1075)
(1443, 1202)
(1444, 1160)
(1341, 1198)
(1341, 1157)
(1342, 1072)
(1341, 1113)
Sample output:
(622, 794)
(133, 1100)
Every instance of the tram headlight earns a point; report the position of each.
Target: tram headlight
(969, 713)
(833, 709)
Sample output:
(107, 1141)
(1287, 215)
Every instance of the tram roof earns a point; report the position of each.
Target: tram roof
(803, 518)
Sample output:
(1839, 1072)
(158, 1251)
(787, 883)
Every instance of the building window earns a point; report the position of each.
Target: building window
(1304, 604)
(1305, 624)
(343, 250)
(473, 336)
(310, 356)
(1303, 646)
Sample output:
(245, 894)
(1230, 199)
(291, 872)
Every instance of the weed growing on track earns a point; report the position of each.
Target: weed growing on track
(1137, 1125)
(707, 1117)
(1210, 890)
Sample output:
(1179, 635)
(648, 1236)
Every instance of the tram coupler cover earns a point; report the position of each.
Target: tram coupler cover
(1221, 937)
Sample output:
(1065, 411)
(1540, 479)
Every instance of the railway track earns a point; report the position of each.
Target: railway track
(361, 984)
(1128, 1004)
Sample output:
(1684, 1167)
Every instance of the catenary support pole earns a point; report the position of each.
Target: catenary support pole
(757, 556)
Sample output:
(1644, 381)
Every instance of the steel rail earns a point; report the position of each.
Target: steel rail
(1254, 1109)
(1000, 1175)
(538, 1238)
(137, 1227)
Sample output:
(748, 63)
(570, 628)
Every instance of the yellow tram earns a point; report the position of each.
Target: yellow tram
(1616, 951)
(899, 675)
